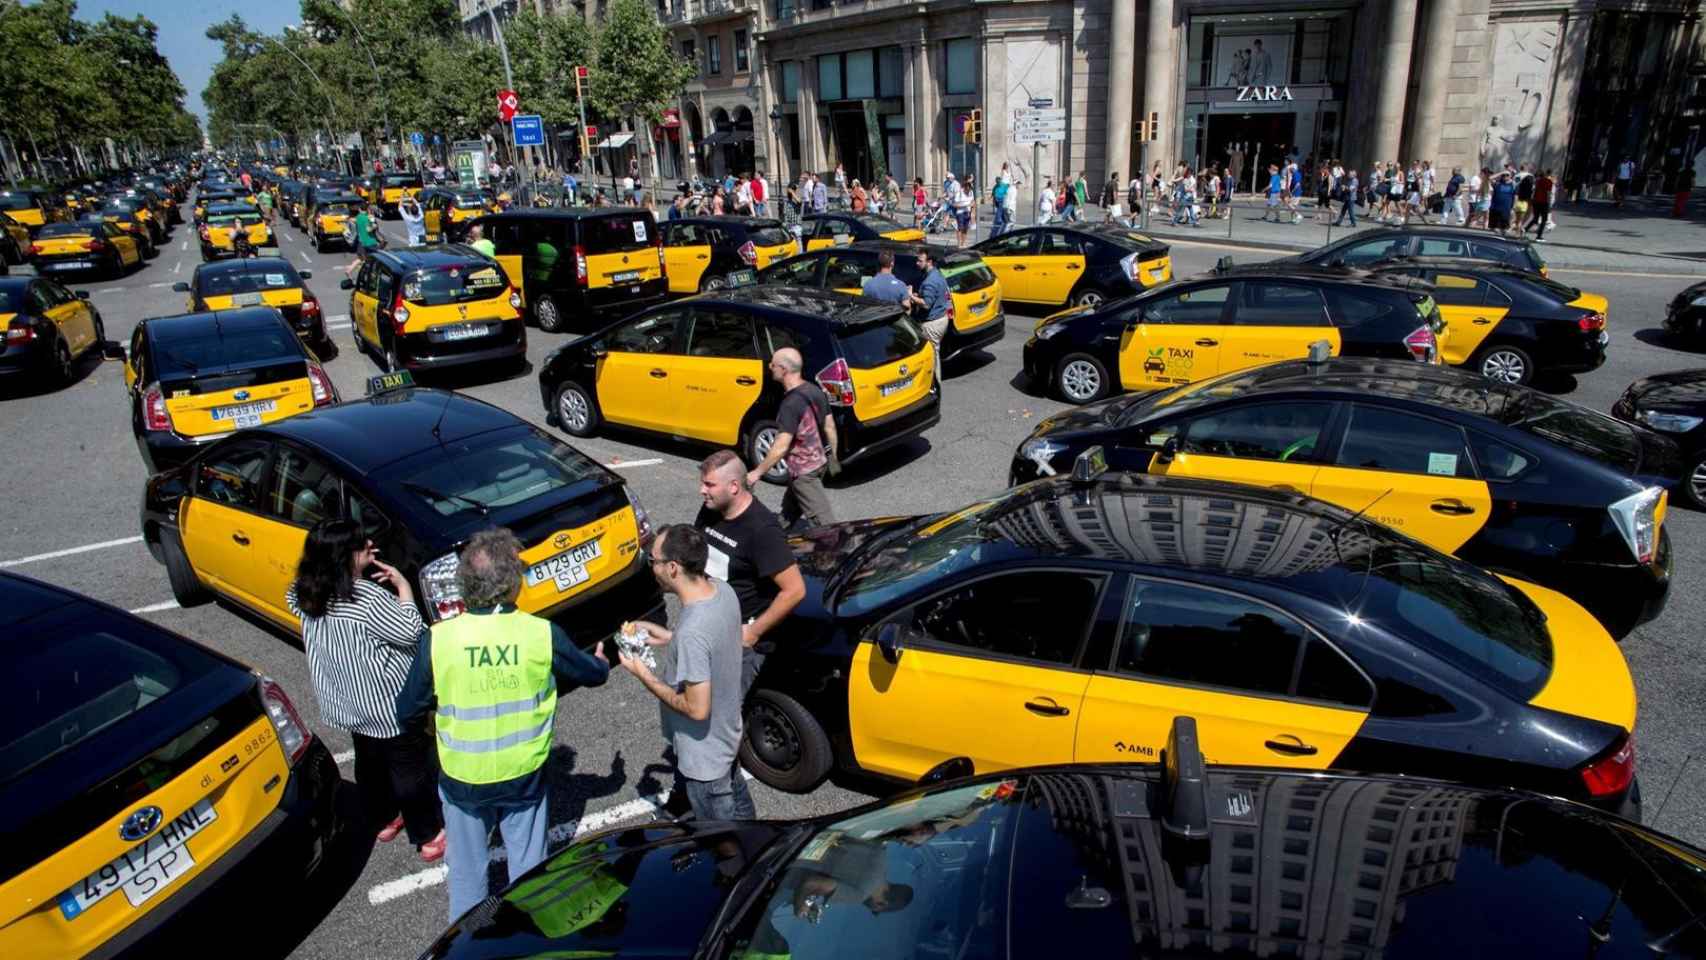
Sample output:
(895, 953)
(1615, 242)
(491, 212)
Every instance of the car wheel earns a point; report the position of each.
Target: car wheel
(576, 410)
(759, 439)
(784, 746)
(1506, 364)
(115, 269)
(549, 317)
(314, 241)
(709, 283)
(64, 365)
(1081, 378)
(186, 589)
(392, 363)
(1089, 297)
(1694, 483)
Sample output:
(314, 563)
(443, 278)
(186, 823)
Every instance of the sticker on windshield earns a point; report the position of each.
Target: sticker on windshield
(639, 231)
(1442, 464)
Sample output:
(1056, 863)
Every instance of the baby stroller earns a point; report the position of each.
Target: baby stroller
(938, 218)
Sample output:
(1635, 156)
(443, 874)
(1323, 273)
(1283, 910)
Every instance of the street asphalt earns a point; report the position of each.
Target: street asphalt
(75, 479)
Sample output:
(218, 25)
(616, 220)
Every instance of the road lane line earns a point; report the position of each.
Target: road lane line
(157, 607)
(185, 245)
(70, 551)
(179, 268)
(625, 464)
(342, 758)
(305, 258)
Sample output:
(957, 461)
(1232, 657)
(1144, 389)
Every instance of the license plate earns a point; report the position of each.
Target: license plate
(980, 307)
(145, 869)
(567, 568)
(246, 300)
(244, 414)
(743, 278)
(462, 331)
(625, 276)
(894, 386)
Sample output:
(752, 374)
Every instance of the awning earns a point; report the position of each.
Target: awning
(615, 140)
(717, 139)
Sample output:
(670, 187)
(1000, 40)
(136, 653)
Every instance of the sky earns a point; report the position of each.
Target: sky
(183, 31)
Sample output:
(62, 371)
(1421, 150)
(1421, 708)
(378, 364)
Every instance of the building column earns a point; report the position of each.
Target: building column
(1122, 48)
(1395, 79)
(921, 109)
(806, 120)
(1439, 41)
(1159, 66)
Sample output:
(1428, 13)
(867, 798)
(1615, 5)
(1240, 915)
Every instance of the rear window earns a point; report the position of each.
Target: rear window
(11, 299)
(476, 476)
(276, 277)
(402, 180)
(617, 234)
(469, 199)
(455, 283)
(769, 236)
(1563, 292)
(13, 201)
(879, 344)
(64, 230)
(231, 215)
(967, 277)
(180, 353)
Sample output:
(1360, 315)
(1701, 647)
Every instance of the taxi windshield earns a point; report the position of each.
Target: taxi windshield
(457, 283)
(17, 201)
(922, 552)
(880, 224)
(1179, 399)
(481, 475)
(223, 282)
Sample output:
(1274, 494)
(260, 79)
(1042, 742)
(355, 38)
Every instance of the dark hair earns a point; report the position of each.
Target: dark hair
(323, 574)
(683, 544)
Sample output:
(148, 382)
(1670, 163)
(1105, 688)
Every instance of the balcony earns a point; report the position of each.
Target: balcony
(674, 11)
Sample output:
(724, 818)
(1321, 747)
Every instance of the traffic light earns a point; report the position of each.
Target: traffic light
(1149, 130)
(974, 127)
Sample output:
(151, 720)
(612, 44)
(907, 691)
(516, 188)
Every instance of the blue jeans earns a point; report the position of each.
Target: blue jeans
(1000, 221)
(725, 798)
(468, 836)
(1346, 209)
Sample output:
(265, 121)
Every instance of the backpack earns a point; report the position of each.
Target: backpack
(999, 194)
(1525, 189)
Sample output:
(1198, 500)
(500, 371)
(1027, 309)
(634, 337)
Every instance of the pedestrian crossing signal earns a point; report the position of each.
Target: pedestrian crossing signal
(974, 127)
(1149, 130)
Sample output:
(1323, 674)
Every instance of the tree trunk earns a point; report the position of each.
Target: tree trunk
(35, 149)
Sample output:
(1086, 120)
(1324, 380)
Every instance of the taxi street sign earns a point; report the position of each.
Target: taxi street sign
(529, 130)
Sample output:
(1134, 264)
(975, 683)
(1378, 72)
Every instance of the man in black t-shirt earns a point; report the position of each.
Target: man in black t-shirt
(750, 553)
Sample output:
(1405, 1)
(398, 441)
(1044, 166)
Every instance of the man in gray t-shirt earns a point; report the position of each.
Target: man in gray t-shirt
(701, 693)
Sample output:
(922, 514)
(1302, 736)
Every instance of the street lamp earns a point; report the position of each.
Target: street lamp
(509, 79)
(292, 53)
(776, 116)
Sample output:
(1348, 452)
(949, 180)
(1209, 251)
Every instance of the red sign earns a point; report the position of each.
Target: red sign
(580, 73)
(591, 133)
(671, 117)
(507, 105)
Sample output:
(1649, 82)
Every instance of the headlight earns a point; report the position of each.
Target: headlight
(1668, 422)
(1041, 451)
(1048, 330)
(1636, 517)
(443, 595)
(1699, 301)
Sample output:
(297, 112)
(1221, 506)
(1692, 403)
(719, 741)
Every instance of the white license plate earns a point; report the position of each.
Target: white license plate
(980, 307)
(244, 414)
(567, 568)
(145, 869)
(246, 299)
(463, 331)
(625, 276)
(895, 386)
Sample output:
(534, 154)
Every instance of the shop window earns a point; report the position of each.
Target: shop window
(790, 79)
(742, 61)
(962, 66)
(861, 74)
(713, 54)
(890, 72)
(829, 77)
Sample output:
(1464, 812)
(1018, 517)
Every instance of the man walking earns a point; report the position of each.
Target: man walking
(748, 551)
(701, 711)
(1542, 205)
(1348, 188)
(1276, 190)
(820, 195)
(496, 673)
(936, 305)
(1625, 177)
(806, 438)
(1045, 202)
(1453, 207)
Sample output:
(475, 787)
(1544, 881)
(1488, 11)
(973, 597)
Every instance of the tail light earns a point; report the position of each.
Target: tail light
(837, 383)
(35, 250)
(749, 253)
(1422, 345)
(155, 417)
(580, 265)
(1129, 266)
(310, 307)
(206, 234)
(95, 245)
(293, 734)
(1592, 323)
(321, 385)
(399, 314)
(20, 330)
(1612, 773)
(1637, 519)
(443, 595)
(641, 519)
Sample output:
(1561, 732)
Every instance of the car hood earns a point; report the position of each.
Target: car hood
(1094, 416)
(822, 551)
(1683, 388)
(647, 891)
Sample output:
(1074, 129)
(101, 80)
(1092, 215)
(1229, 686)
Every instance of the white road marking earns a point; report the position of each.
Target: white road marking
(305, 258)
(162, 283)
(185, 245)
(157, 607)
(342, 758)
(625, 464)
(179, 268)
(339, 326)
(70, 551)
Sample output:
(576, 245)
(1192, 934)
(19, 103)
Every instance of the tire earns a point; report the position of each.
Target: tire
(759, 437)
(392, 363)
(709, 283)
(1505, 363)
(1080, 378)
(64, 368)
(1089, 297)
(186, 589)
(115, 269)
(1694, 482)
(548, 315)
(783, 744)
(575, 409)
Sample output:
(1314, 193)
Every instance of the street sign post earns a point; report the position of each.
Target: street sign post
(529, 130)
(508, 103)
(1043, 125)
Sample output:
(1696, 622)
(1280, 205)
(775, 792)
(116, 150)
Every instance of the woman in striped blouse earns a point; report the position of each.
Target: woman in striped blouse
(360, 641)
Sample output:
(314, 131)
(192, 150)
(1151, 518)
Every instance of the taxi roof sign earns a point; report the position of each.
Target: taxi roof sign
(388, 382)
(1089, 465)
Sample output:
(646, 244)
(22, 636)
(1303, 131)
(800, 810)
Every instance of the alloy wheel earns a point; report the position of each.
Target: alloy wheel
(1080, 381)
(1504, 366)
(572, 410)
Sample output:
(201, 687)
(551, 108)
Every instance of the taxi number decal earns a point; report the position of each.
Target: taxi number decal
(275, 279)
(639, 231)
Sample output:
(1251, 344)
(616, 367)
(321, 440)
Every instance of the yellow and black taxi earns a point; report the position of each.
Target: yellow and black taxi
(386, 190)
(221, 225)
(194, 378)
(447, 211)
(1500, 475)
(145, 207)
(48, 329)
(1369, 246)
(1230, 319)
(1509, 324)
(976, 320)
(697, 369)
(576, 263)
(700, 253)
(131, 216)
(327, 217)
(14, 241)
(1072, 618)
(225, 195)
(420, 471)
(145, 774)
(32, 208)
(86, 244)
(259, 281)
(1675, 405)
(170, 197)
(291, 193)
(1083, 265)
(820, 230)
(424, 307)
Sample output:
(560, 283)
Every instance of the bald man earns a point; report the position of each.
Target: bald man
(807, 440)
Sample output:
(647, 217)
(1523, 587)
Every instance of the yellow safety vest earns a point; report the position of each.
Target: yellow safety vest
(497, 696)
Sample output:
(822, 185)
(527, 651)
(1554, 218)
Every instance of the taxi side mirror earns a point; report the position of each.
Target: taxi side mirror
(181, 287)
(80, 294)
(346, 284)
(305, 274)
(599, 350)
(112, 350)
(1169, 450)
(888, 641)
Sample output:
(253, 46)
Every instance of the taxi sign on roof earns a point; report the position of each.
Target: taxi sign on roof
(387, 382)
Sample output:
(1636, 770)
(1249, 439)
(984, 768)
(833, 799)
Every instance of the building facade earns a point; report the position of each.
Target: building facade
(716, 129)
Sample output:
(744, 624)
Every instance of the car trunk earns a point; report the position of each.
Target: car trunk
(225, 398)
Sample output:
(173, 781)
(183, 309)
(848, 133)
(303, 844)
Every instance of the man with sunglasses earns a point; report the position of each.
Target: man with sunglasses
(700, 691)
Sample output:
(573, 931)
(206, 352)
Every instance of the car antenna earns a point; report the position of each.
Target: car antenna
(1340, 527)
(446, 409)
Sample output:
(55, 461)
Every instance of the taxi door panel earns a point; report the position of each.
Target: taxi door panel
(1128, 719)
(1056, 268)
(686, 254)
(1272, 322)
(1009, 258)
(1176, 338)
(1465, 303)
(720, 377)
(636, 380)
(1412, 473)
(984, 671)
(217, 521)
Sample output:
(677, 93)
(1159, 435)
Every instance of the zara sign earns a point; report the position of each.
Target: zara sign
(1269, 92)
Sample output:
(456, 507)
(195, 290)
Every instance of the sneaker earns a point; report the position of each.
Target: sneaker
(391, 830)
(433, 850)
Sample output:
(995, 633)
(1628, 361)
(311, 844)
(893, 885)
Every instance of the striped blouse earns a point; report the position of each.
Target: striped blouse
(359, 655)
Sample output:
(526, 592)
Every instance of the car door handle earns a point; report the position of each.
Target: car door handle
(1482, 320)
(659, 374)
(1019, 268)
(1072, 266)
(745, 381)
(1206, 342)
(702, 256)
(1451, 507)
(1045, 706)
(241, 538)
(1291, 745)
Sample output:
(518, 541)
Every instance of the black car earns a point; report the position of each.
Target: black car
(1084, 265)
(1369, 246)
(291, 194)
(1179, 860)
(1673, 404)
(1503, 476)
(1685, 315)
(818, 230)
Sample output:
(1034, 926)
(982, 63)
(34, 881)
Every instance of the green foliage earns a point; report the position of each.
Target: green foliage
(639, 72)
(543, 52)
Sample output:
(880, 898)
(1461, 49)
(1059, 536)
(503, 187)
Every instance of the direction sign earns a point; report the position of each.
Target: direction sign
(1041, 103)
(1042, 125)
(529, 130)
(507, 105)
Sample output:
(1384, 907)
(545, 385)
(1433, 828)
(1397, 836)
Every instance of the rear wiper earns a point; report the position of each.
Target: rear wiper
(425, 491)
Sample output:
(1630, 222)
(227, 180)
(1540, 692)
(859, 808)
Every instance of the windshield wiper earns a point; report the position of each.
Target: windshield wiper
(426, 491)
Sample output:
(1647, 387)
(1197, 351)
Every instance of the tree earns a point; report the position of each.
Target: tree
(639, 72)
